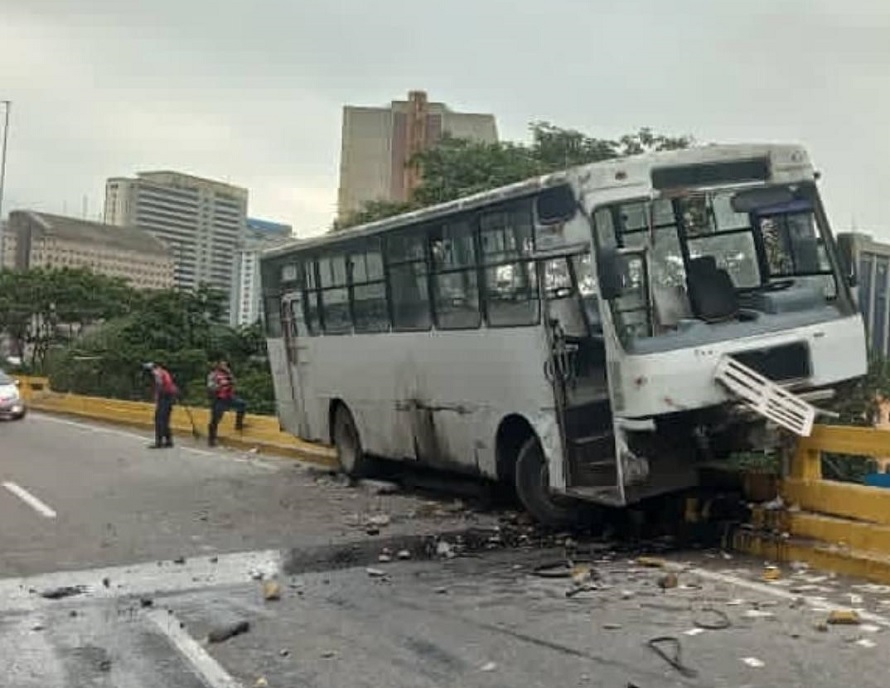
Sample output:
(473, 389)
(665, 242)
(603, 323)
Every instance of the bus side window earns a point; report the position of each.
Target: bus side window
(511, 287)
(455, 283)
(335, 316)
(369, 308)
(406, 258)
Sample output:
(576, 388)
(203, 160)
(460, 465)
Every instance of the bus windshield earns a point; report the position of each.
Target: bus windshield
(772, 247)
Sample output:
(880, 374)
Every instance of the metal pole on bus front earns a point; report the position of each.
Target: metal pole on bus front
(7, 104)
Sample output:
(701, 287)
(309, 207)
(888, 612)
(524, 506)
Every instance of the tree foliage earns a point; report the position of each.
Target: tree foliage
(91, 333)
(460, 167)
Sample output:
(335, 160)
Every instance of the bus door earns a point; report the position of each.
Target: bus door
(577, 369)
(296, 337)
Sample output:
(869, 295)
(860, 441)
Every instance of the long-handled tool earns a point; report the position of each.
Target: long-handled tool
(188, 412)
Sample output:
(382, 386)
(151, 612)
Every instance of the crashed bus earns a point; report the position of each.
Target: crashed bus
(593, 335)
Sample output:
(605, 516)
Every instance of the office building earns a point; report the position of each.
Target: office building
(41, 240)
(260, 235)
(201, 220)
(870, 260)
(378, 143)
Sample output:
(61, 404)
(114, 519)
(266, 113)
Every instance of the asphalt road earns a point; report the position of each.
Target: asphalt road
(90, 508)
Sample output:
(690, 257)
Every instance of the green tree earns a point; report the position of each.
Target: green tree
(458, 167)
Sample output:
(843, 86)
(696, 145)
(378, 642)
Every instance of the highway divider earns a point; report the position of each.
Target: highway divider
(831, 525)
(261, 434)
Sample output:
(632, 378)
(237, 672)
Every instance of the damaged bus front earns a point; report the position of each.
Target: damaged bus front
(722, 308)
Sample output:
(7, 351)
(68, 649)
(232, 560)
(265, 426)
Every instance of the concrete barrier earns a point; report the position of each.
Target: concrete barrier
(837, 526)
(261, 433)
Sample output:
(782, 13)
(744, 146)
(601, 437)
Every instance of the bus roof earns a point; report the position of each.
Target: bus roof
(637, 167)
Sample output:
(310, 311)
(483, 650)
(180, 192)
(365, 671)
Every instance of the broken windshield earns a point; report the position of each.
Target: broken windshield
(768, 248)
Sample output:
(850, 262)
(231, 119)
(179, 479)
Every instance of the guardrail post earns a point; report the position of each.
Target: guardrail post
(806, 463)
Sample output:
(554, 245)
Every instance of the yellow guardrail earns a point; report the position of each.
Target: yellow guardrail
(261, 433)
(838, 526)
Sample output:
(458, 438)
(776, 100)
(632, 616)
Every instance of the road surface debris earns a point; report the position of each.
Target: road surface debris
(843, 617)
(271, 590)
(223, 633)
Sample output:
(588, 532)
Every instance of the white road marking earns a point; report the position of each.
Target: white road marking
(816, 603)
(206, 666)
(30, 499)
(87, 427)
(149, 578)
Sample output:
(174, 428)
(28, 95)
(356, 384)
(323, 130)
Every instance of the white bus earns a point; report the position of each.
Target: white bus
(567, 333)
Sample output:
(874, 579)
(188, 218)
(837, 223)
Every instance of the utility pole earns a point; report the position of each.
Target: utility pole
(6, 107)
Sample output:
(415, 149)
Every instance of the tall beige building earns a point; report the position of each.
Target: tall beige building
(41, 240)
(377, 144)
(202, 221)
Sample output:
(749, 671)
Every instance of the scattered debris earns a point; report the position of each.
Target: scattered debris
(105, 665)
(855, 600)
(379, 520)
(380, 487)
(822, 627)
(627, 594)
(372, 530)
(38, 627)
(62, 592)
(106, 582)
(384, 558)
(843, 617)
(799, 566)
(753, 662)
(444, 549)
(870, 628)
(284, 653)
(441, 590)
(72, 613)
(490, 666)
(179, 560)
(146, 602)
(694, 631)
(214, 560)
(375, 573)
(771, 573)
(261, 682)
(668, 581)
(328, 654)
(611, 627)
(717, 622)
(758, 614)
(271, 590)
(866, 642)
(651, 562)
(256, 574)
(738, 602)
(223, 633)
(675, 658)
(774, 504)
(404, 554)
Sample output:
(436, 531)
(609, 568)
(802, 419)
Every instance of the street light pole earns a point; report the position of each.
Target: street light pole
(6, 107)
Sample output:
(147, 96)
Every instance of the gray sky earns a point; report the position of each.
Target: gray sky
(251, 92)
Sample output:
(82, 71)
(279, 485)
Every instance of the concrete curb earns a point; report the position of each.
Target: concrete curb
(261, 434)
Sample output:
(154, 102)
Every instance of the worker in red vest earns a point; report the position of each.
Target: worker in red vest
(221, 390)
(165, 393)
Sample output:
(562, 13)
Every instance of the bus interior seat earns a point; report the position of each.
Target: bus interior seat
(712, 293)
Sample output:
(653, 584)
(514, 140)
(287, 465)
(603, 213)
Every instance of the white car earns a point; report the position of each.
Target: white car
(12, 406)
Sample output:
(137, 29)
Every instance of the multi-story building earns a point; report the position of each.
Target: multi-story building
(378, 144)
(201, 220)
(260, 235)
(869, 260)
(41, 240)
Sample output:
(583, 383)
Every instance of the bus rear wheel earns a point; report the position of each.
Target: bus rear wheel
(533, 488)
(348, 443)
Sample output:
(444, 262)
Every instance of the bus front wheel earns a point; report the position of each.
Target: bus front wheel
(348, 443)
(533, 488)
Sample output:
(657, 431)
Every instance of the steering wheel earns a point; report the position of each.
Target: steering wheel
(779, 285)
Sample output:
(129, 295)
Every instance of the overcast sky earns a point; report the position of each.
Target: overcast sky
(251, 92)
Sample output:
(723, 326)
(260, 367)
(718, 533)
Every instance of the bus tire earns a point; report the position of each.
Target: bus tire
(350, 454)
(533, 488)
